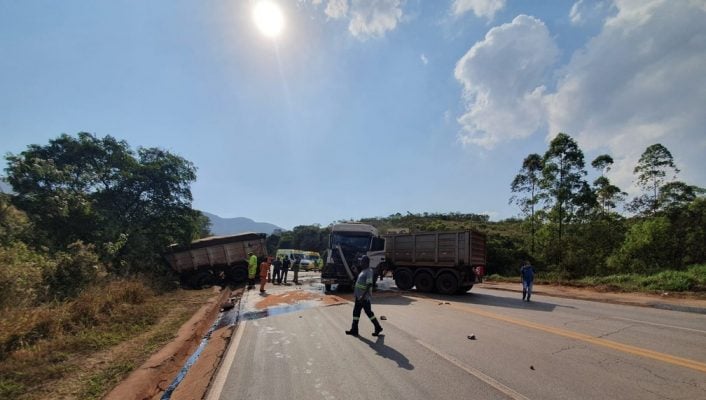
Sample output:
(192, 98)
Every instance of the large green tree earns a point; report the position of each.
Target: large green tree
(527, 181)
(607, 194)
(652, 170)
(129, 204)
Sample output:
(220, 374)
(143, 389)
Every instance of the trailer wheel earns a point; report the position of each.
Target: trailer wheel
(201, 279)
(463, 289)
(404, 279)
(447, 283)
(327, 286)
(238, 273)
(424, 282)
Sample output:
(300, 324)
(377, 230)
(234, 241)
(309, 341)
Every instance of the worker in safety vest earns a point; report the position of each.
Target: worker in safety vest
(363, 291)
(252, 269)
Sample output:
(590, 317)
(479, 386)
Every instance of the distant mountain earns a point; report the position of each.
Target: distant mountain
(231, 226)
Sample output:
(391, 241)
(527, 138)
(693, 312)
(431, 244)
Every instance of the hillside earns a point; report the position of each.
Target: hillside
(231, 226)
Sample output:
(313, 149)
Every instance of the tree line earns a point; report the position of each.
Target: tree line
(574, 228)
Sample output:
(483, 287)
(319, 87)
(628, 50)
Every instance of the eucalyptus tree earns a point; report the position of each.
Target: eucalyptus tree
(527, 181)
(655, 163)
(607, 195)
(563, 179)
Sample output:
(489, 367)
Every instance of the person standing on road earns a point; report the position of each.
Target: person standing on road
(295, 269)
(277, 272)
(264, 270)
(363, 292)
(527, 274)
(285, 269)
(252, 269)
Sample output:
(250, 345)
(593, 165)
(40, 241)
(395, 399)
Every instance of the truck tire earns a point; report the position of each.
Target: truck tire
(447, 283)
(201, 279)
(327, 287)
(238, 274)
(404, 278)
(463, 289)
(424, 281)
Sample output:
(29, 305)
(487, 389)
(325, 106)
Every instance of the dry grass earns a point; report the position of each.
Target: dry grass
(81, 349)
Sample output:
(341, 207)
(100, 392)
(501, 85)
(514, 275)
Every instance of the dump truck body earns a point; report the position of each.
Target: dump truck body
(216, 259)
(447, 262)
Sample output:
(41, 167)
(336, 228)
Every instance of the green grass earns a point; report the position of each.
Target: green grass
(693, 279)
(99, 383)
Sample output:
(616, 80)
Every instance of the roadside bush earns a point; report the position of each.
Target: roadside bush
(20, 275)
(674, 281)
(75, 269)
(647, 248)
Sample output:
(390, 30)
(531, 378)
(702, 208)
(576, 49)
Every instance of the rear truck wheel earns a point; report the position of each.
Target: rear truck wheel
(327, 286)
(201, 279)
(424, 282)
(463, 289)
(404, 278)
(238, 274)
(447, 283)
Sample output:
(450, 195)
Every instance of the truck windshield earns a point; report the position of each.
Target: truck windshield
(351, 241)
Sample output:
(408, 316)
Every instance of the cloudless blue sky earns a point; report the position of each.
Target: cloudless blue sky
(359, 108)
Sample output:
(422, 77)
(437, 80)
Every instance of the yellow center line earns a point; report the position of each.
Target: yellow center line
(625, 348)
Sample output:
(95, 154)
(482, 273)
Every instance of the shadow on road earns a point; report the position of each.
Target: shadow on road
(498, 301)
(387, 352)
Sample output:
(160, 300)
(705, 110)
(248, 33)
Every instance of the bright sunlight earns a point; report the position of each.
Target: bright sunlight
(268, 18)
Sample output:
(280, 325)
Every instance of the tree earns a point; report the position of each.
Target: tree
(607, 194)
(98, 191)
(652, 168)
(527, 180)
(562, 178)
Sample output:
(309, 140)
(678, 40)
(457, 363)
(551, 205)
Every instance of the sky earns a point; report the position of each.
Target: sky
(360, 108)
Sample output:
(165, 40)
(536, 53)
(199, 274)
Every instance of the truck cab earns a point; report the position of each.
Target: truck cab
(348, 242)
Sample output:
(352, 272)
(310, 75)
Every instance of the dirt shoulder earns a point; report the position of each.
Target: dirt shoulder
(688, 302)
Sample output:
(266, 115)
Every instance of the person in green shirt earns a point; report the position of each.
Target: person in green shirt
(252, 269)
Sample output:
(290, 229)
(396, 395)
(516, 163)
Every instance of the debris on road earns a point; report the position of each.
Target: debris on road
(532, 367)
(472, 337)
(384, 318)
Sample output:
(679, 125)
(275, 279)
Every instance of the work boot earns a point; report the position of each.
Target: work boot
(378, 328)
(354, 329)
(524, 294)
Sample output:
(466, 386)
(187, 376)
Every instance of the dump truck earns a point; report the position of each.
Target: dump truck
(445, 262)
(216, 259)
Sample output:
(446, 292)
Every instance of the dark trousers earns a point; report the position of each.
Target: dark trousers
(276, 276)
(363, 305)
(285, 271)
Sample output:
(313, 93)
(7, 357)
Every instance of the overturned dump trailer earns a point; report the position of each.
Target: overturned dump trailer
(216, 259)
(446, 262)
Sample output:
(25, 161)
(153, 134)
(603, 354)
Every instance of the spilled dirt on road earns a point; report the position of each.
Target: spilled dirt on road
(290, 298)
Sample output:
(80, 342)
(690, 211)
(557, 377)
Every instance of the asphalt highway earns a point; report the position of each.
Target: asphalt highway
(487, 344)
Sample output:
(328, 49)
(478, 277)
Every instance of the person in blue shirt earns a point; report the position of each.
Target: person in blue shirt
(362, 292)
(527, 274)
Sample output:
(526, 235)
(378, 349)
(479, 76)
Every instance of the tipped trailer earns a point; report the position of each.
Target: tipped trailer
(216, 259)
(445, 262)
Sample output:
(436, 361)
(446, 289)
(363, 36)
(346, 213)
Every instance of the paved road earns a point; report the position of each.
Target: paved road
(551, 348)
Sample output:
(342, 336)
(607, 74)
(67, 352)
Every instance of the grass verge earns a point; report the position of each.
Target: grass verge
(82, 348)
(693, 279)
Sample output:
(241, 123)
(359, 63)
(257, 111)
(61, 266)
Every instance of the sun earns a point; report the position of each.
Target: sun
(268, 18)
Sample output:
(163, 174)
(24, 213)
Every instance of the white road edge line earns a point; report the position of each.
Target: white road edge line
(656, 324)
(478, 374)
(215, 392)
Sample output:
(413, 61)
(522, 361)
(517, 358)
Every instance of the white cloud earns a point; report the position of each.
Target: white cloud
(639, 82)
(368, 18)
(503, 79)
(424, 59)
(583, 12)
(337, 8)
(373, 18)
(481, 8)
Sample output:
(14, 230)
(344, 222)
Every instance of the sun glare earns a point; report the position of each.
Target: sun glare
(268, 18)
